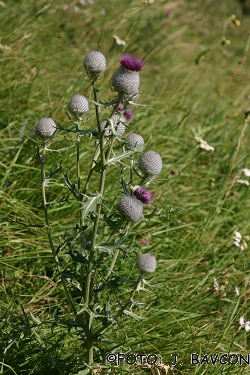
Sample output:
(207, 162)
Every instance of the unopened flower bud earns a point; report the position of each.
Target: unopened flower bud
(45, 128)
(130, 207)
(147, 263)
(94, 63)
(78, 105)
(150, 163)
(135, 141)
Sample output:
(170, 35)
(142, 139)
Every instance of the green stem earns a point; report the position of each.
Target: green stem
(121, 311)
(43, 179)
(114, 232)
(109, 150)
(94, 161)
(144, 178)
(78, 163)
(79, 179)
(116, 251)
(88, 290)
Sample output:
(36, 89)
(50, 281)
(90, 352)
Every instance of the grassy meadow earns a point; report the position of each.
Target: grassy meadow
(195, 83)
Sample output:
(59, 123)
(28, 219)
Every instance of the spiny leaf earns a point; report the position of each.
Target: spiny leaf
(136, 317)
(90, 205)
(117, 158)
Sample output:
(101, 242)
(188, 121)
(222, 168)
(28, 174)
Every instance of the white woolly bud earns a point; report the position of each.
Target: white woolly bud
(135, 141)
(94, 63)
(45, 128)
(150, 163)
(130, 207)
(78, 105)
(147, 263)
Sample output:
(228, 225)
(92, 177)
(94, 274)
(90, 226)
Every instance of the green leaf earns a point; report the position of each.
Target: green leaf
(90, 205)
(109, 247)
(117, 158)
(136, 317)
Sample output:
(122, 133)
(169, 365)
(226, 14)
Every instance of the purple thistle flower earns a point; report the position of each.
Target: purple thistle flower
(120, 107)
(131, 63)
(128, 114)
(144, 195)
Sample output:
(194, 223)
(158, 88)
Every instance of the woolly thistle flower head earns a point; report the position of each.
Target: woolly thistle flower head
(94, 63)
(130, 207)
(135, 141)
(147, 263)
(45, 128)
(78, 105)
(126, 79)
(150, 163)
(144, 195)
(131, 63)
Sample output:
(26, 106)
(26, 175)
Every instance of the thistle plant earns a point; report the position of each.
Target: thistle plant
(101, 230)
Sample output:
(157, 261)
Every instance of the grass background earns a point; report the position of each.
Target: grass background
(197, 86)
